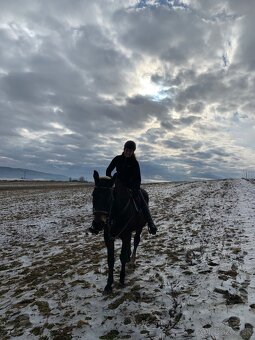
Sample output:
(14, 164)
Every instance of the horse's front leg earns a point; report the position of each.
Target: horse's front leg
(110, 259)
(125, 256)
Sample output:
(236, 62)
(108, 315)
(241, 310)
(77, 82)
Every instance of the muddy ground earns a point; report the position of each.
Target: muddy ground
(194, 280)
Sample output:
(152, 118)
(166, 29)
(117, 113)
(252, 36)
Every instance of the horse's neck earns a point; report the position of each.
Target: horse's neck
(122, 195)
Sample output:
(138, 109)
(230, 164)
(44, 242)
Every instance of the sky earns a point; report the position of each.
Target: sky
(79, 78)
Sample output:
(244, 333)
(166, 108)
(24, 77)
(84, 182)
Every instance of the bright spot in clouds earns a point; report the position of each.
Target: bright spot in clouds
(148, 88)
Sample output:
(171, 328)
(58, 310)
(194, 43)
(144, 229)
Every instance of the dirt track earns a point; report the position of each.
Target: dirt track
(32, 185)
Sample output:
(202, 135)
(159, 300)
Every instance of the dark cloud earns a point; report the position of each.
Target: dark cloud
(77, 81)
(176, 39)
(95, 53)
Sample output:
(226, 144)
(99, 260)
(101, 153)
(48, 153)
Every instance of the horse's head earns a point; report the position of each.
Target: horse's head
(102, 200)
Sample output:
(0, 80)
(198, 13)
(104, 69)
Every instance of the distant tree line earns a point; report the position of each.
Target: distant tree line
(81, 179)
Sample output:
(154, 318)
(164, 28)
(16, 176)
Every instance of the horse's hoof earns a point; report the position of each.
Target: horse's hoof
(107, 290)
(122, 284)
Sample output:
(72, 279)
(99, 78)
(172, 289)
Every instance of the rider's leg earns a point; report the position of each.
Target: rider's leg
(146, 212)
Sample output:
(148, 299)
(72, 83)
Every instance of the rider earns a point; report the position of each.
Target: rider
(128, 172)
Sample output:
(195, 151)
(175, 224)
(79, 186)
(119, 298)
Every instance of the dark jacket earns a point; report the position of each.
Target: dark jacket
(128, 171)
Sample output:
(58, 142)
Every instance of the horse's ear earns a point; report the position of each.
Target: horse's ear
(96, 176)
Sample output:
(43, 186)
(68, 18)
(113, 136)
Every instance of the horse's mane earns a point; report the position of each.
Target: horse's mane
(105, 177)
(119, 186)
(104, 181)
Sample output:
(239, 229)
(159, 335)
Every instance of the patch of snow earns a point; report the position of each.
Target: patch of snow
(194, 279)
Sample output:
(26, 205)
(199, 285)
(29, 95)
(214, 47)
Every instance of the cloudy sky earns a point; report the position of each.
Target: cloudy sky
(79, 78)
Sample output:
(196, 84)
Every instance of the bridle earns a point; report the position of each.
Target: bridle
(108, 213)
(96, 189)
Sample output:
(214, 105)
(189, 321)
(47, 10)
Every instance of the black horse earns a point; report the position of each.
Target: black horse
(118, 214)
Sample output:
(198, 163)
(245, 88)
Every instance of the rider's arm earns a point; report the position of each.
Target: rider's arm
(111, 166)
(137, 178)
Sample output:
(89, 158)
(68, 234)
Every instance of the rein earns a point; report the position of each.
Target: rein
(124, 209)
(126, 225)
(124, 228)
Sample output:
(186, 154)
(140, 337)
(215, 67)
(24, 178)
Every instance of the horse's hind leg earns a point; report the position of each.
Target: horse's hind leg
(110, 260)
(137, 239)
(125, 257)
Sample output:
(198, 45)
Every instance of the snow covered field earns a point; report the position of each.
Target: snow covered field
(194, 280)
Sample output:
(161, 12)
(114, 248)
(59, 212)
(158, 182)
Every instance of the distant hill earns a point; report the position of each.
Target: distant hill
(18, 173)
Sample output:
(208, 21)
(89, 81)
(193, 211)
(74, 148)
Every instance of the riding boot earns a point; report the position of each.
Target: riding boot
(146, 212)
